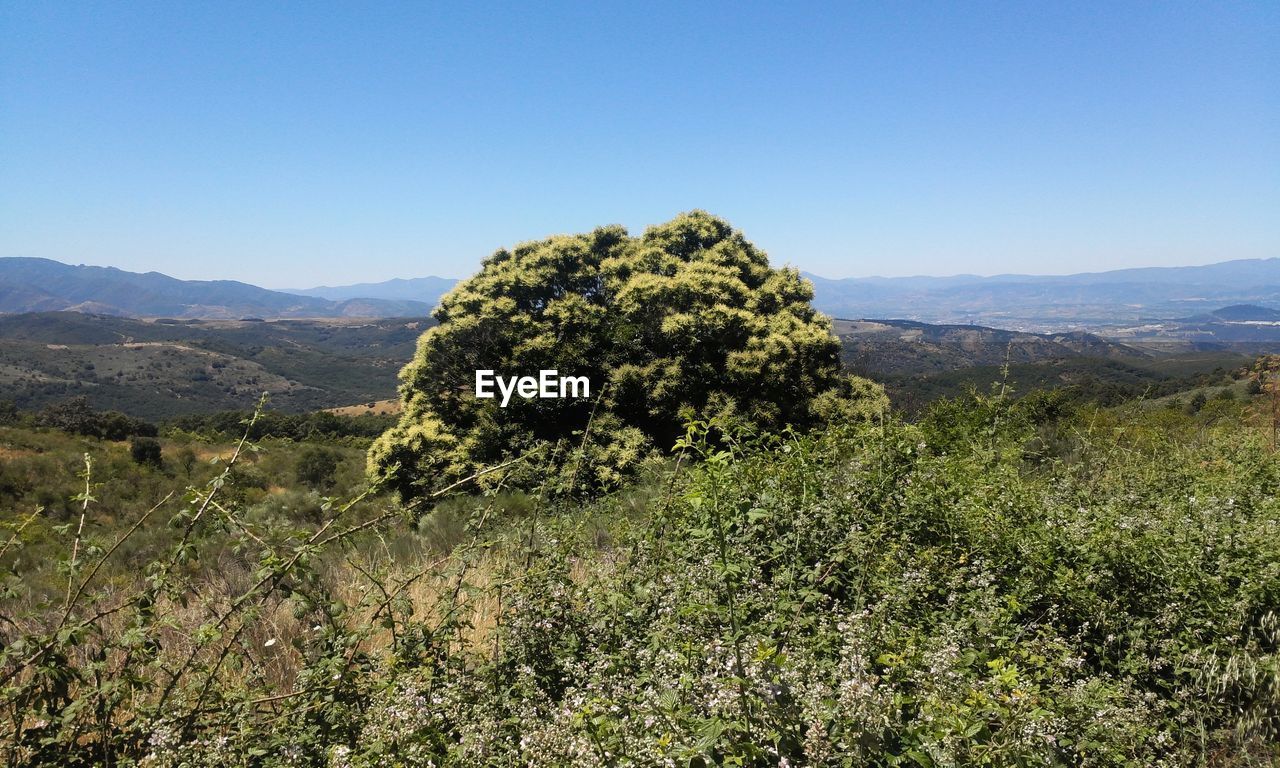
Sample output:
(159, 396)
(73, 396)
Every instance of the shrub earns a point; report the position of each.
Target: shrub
(317, 467)
(187, 459)
(882, 596)
(145, 450)
(1196, 403)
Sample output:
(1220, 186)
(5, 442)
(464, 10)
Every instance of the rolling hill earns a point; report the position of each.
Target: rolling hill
(158, 370)
(887, 347)
(919, 363)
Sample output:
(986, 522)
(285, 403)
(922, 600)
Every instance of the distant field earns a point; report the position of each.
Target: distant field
(377, 408)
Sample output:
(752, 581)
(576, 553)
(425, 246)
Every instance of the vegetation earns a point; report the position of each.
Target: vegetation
(1006, 582)
(319, 425)
(316, 467)
(145, 450)
(164, 370)
(687, 318)
(76, 417)
(1085, 378)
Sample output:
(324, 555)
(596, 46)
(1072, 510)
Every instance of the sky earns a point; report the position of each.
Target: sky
(299, 144)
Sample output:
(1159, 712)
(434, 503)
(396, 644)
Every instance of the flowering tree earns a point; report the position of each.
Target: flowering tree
(688, 318)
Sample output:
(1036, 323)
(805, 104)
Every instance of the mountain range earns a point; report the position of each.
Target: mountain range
(43, 285)
(1017, 302)
(423, 289)
(1056, 302)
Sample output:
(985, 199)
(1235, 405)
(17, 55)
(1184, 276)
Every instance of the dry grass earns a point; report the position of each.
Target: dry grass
(376, 408)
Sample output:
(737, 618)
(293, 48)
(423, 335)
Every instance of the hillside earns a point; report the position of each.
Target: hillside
(1247, 313)
(42, 285)
(919, 363)
(159, 370)
(886, 347)
(167, 368)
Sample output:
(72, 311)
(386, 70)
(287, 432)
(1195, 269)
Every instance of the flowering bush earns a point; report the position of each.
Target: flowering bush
(926, 595)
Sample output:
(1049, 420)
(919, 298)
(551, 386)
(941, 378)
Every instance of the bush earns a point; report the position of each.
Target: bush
(145, 450)
(687, 318)
(1197, 403)
(317, 467)
(884, 596)
(187, 459)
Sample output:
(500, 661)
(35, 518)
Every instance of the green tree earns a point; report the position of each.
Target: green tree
(187, 459)
(687, 318)
(317, 467)
(77, 417)
(145, 450)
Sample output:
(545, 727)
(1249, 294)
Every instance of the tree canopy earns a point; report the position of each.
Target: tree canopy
(686, 319)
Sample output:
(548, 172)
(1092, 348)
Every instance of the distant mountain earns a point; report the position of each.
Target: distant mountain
(1034, 302)
(427, 290)
(1247, 313)
(1025, 302)
(42, 285)
(1031, 303)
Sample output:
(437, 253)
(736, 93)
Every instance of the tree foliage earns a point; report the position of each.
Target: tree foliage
(145, 450)
(75, 416)
(687, 318)
(317, 466)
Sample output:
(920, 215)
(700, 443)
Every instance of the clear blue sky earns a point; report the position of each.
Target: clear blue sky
(295, 144)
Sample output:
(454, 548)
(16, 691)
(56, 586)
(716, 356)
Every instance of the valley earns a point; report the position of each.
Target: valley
(159, 370)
